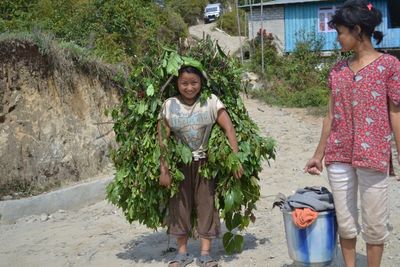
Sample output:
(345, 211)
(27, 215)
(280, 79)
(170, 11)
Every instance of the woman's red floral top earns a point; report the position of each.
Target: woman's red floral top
(361, 132)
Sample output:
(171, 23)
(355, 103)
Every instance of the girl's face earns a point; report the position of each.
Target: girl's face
(189, 85)
(348, 39)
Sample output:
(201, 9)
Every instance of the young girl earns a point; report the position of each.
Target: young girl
(191, 122)
(364, 109)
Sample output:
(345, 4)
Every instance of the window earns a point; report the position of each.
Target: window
(394, 14)
(212, 9)
(325, 14)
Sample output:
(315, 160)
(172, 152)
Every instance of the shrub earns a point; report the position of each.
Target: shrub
(174, 26)
(271, 58)
(228, 22)
(297, 79)
(114, 30)
(191, 11)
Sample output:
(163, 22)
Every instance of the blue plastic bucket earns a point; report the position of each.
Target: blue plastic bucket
(314, 245)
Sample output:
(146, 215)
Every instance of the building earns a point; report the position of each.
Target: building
(285, 19)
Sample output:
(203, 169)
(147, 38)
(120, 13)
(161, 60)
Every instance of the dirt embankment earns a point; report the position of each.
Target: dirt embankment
(51, 114)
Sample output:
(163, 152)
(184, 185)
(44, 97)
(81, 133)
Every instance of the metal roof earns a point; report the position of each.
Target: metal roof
(282, 2)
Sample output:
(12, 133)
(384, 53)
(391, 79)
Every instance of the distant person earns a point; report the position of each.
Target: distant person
(191, 121)
(364, 110)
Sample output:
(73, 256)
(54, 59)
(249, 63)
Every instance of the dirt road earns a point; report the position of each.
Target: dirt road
(230, 44)
(99, 236)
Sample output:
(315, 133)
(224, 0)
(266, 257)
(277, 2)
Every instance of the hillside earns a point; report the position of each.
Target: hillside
(52, 106)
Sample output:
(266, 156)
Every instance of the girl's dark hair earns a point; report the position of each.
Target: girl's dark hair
(190, 69)
(361, 13)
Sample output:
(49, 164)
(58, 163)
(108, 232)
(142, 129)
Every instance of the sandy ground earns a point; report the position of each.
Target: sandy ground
(99, 235)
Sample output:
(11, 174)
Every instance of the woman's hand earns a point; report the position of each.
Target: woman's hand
(237, 174)
(398, 160)
(314, 166)
(165, 179)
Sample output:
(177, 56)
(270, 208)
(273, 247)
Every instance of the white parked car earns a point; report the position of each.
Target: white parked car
(212, 12)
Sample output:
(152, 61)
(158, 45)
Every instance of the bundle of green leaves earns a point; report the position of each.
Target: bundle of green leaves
(136, 189)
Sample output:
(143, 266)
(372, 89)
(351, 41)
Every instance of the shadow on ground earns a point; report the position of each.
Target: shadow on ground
(158, 247)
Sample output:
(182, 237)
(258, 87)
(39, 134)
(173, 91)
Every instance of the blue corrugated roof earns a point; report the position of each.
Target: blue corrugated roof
(283, 2)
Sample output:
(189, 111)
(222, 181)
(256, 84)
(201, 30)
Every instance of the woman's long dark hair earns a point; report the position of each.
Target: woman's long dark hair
(359, 13)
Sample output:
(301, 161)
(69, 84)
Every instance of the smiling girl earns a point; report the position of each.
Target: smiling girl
(191, 122)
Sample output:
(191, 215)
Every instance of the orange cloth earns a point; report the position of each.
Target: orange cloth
(303, 218)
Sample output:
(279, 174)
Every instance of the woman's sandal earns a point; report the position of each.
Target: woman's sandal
(206, 261)
(181, 260)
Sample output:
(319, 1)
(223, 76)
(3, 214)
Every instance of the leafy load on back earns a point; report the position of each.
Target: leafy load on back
(136, 189)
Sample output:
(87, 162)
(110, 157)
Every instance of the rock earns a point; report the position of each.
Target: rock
(44, 217)
(8, 197)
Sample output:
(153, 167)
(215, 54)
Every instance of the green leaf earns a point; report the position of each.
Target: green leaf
(142, 108)
(150, 90)
(229, 243)
(245, 223)
(228, 221)
(229, 201)
(239, 242)
(232, 243)
(237, 220)
(156, 154)
(154, 105)
(121, 174)
(174, 63)
(187, 61)
(185, 153)
(245, 148)
(232, 221)
(237, 195)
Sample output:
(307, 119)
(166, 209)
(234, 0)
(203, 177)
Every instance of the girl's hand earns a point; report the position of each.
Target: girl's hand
(165, 179)
(237, 174)
(314, 166)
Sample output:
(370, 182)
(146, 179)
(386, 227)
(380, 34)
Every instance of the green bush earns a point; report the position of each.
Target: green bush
(174, 26)
(191, 11)
(271, 58)
(295, 80)
(228, 22)
(117, 31)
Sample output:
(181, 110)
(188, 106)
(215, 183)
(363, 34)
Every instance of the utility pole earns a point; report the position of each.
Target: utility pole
(240, 36)
(262, 37)
(246, 23)
(252, 27)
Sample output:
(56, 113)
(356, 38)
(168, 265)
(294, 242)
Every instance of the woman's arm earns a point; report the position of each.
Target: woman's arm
(225, 122)
(164, 132)
(314, 165)
(394, 111)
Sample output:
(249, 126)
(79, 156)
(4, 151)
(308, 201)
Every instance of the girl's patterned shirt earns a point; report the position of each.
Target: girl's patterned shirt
(192, 124)
(361, 133)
